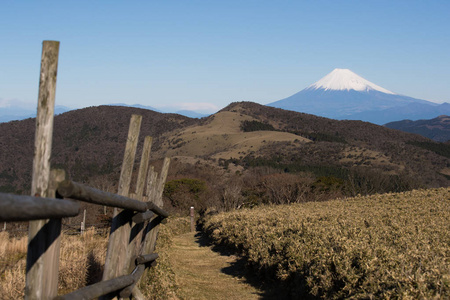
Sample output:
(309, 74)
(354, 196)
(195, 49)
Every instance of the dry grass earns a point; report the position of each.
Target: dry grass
(81, 262)
(160, 281)
(186, 270)
(354, 156)
(223, 138)
(199, 272)
(11, 246)
(13, 259)
(380, 246)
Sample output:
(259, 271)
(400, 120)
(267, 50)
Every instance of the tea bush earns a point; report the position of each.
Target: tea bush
(379, 246)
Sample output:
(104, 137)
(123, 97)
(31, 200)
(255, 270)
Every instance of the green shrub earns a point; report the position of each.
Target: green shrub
(185, 192)
(248, 126)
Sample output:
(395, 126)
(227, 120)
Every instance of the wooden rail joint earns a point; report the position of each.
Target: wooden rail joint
(78, 191)
(123, 285)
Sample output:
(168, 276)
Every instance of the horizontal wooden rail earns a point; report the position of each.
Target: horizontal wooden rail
(142, 217)
(137, 274)
(157, 210)
(143, 259)
(99, 289)
(123, 284)
(74, 190)
(27, 208)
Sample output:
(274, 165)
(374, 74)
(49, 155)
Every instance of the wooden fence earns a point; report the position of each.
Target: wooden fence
(136, 216)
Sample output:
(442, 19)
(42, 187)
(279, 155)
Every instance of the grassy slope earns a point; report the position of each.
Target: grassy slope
(392, 245)
(88, 143)
(222, 137)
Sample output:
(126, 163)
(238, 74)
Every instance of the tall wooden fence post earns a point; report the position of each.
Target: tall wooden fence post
(155, 196)
(115, 263)
(155, 189)
(83, 223)
(39, 240)
(134, 245)
(192, 218)
(51, 257)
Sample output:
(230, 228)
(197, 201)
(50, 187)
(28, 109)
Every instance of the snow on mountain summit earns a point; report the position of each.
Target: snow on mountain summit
(345, 79)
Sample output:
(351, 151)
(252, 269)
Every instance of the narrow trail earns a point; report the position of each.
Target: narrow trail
(205, 274)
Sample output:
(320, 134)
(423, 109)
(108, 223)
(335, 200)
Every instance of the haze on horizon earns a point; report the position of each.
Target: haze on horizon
(202, 55)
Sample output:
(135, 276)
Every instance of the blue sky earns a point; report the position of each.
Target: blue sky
(202, 55)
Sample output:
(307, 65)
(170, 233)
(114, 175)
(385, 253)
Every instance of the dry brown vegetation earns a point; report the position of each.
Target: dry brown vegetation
(287, 158)
(82, 261)
(199, 271)
(221, 137)
(381, 246)
(88, 143)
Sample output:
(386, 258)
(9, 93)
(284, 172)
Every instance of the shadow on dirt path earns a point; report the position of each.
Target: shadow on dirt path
(198, 272)
(206, 271)
(239, 269)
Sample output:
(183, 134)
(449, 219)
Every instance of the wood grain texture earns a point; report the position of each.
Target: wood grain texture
(115, 263)
(152, 227)
(78, 191)
(135, 239)
(143, 167)
(26, 208)
(51, 256)
(41, 168)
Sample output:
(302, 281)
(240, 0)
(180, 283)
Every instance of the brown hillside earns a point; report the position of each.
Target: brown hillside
(221, 137)
(353, 155)
(86, 142)
(354, 144)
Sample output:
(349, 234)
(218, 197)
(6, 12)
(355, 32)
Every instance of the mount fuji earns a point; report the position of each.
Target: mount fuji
(342, 94)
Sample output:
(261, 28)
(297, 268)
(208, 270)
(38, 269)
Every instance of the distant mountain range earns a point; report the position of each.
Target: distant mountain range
(16, 113)
(11, 113)
(437, 129)
(344, 95)
(184, 112)
(340, 95)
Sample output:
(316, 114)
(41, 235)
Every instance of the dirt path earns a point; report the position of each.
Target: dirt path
(205, 274)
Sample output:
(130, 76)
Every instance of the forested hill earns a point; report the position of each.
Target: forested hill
(246, 144)
(437, 129)
(86, 142)
(353, 144)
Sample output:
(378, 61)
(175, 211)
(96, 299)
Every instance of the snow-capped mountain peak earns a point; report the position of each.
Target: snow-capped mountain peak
(345, 79)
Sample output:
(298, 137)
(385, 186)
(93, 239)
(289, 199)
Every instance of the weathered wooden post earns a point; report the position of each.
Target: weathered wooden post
(136, 229)
(155, 196)
(143, 167)
(155, 188)
(115, 263)
(83, 223)
(151, 183)
(192, 219)
(42, 233)
(51, 257)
